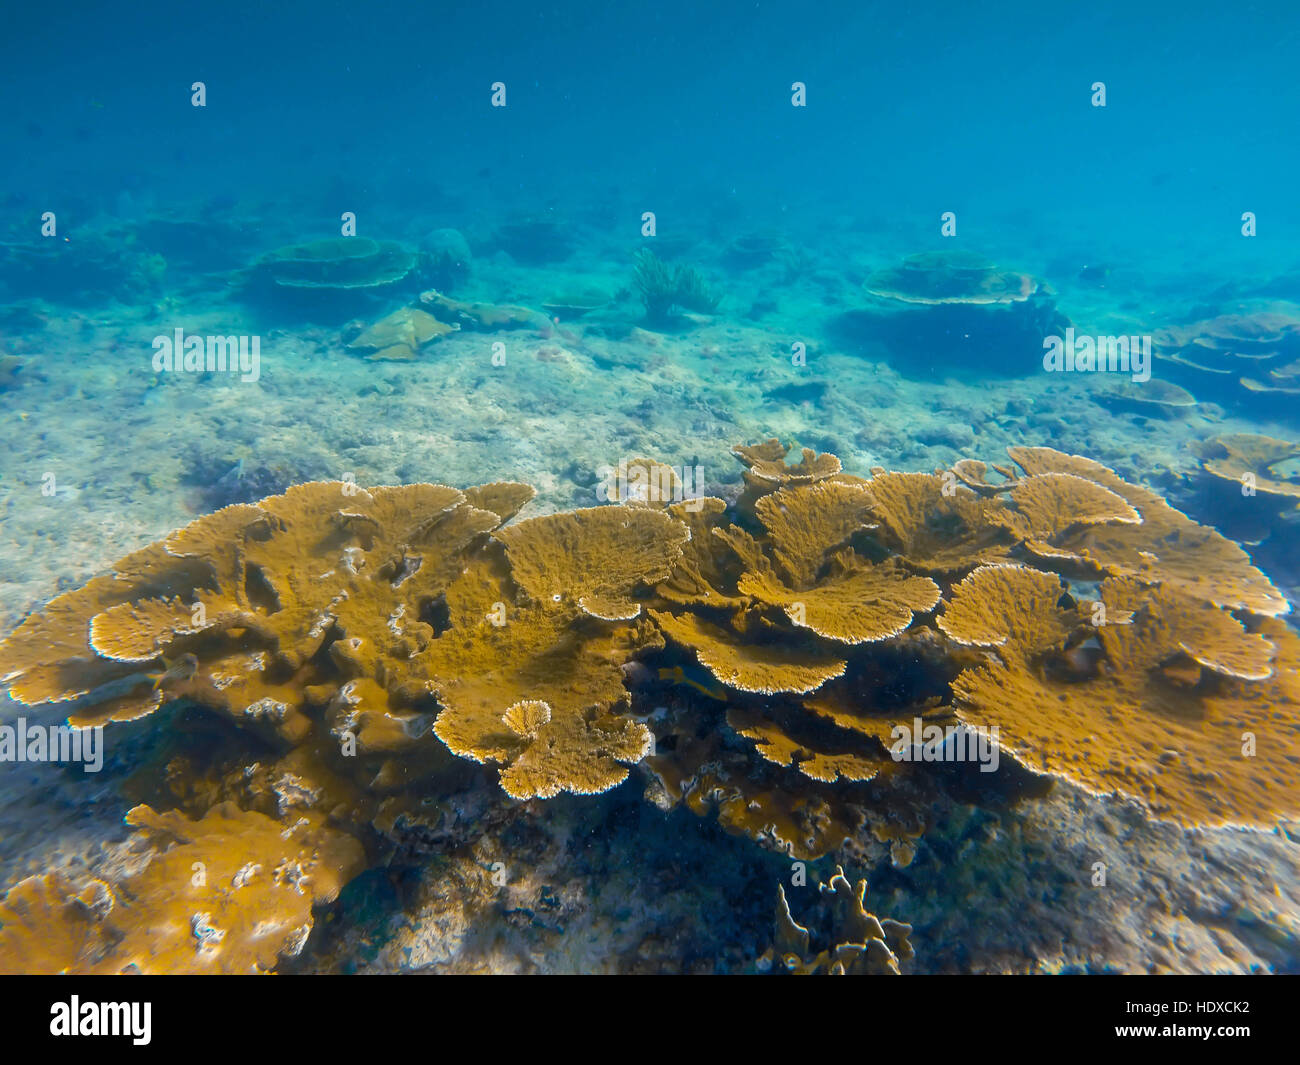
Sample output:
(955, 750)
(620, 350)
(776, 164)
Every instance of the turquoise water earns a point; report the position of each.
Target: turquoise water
(878, 221)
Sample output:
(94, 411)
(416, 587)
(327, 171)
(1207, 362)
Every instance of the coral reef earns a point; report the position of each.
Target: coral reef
(445, 259)
(1247, 461)
(576, 302)
(750, 250)
(950, 278)
(1153, 398)
(98, 263)
(862, 943)
(1251, 359)
(948, 312)
(481, 317)
(805, 663)
(666, 290)
(403, 334)
(231, 893)
(400, 336)
(1248, 486)
(324, 273)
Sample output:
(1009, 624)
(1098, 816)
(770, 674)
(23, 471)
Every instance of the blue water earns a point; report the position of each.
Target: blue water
(939, 127)
(677, 107)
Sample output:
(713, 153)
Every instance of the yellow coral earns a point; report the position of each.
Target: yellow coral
(1247, 460)
(400, 335)
(230, 893)
(594, 557)
(775, 740)
(1187, 755)
(1008, 604)
(1166, 547)
(747, 667)
(937, 526)
(499, 663)
(806, 523)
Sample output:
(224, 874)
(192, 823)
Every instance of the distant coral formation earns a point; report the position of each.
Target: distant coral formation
(943, 312)
(364, 649)
(400, 336)
(324, 275)
(1251, 359)
(666, 290)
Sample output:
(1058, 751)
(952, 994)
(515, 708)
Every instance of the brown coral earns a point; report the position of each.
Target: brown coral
(1247, 461)
(483, 317)
(1249, 357)
(856, 602)
(942, 313)
(862, 943)
(1050, 506)
(778, 740)
(1166, 546)
(806, 523)
(400, 336)
(766, 469)
(767, 462)
(371, 646)
(950, 278)
(1008, 604)
(767, 668)
(247, 597)
(939, 527)
(488, 665)
(1182, 751)
(231, 893)
(822, 585)
(337, 266)
(594, 557)
(702, 572)
(1153, 397)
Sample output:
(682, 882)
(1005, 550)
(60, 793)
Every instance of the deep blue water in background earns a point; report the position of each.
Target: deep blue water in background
(383, 108)
(978, 107)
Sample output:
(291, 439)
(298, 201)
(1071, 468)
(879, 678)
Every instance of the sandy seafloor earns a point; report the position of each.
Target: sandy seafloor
(606, 885)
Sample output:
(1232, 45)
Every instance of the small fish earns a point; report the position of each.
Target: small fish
(232, 476)
(677, 675)
(177, 669)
